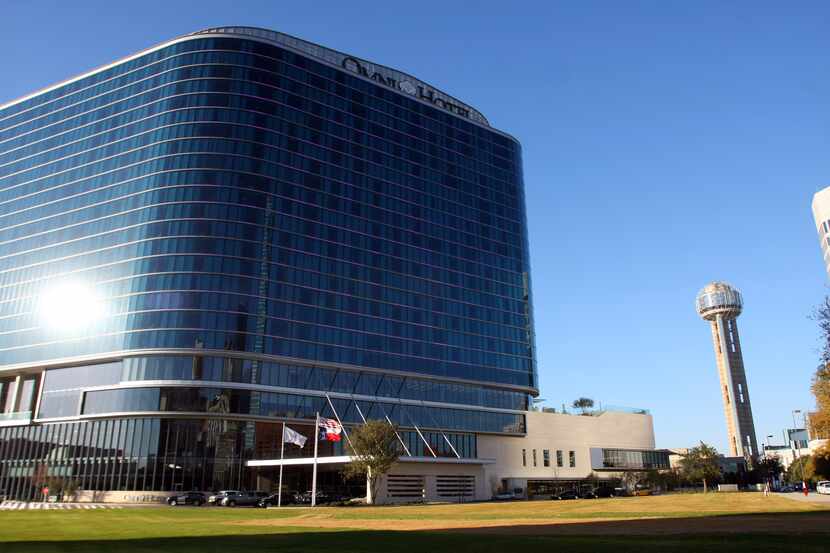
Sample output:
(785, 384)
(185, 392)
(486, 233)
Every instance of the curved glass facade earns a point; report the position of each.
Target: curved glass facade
(328, 232)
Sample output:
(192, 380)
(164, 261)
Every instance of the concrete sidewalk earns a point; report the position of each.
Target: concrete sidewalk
(41, 506)
(812, 498)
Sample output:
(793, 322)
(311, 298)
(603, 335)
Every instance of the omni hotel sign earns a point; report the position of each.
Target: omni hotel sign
(417, 89)
(385, 76)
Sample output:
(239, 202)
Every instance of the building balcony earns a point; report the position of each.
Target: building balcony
(15, 418)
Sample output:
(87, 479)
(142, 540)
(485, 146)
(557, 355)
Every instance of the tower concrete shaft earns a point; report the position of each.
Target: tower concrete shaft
(734, 390)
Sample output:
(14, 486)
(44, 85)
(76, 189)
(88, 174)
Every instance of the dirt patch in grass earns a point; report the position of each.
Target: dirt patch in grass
(779, 523)
(807, 523)
(666, 515)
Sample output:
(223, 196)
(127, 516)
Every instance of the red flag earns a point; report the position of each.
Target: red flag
(330, 430)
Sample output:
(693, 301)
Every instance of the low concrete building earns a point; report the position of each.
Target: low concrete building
(559, 451)
(728, 464)
(787, 454)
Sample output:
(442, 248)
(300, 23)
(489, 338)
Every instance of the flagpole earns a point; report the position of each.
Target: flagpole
(314, 470)
(282, 457)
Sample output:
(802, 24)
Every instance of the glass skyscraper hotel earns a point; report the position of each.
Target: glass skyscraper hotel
(238, 228)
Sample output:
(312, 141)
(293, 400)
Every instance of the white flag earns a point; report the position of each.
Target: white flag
(293, 437)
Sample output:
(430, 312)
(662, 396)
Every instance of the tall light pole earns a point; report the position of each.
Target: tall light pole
(768, 444)
(797, 450)
(174, 467)
(770, 478)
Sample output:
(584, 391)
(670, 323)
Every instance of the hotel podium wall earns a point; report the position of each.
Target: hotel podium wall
(432, 473)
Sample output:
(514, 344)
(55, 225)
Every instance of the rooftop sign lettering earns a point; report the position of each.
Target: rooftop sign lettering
(419, 91)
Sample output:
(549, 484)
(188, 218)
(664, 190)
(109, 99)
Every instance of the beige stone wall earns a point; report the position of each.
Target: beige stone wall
(554, 431)
(431, 473)
(502, 455)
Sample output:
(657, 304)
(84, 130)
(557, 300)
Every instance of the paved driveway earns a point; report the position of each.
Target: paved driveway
(812, 498)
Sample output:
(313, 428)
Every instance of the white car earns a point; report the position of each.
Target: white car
(823, 487)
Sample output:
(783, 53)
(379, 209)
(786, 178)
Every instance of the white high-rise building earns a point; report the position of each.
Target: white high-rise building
(821, 215)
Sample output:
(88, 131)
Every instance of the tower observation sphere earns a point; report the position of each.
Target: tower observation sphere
(720, 304)
(719, 298)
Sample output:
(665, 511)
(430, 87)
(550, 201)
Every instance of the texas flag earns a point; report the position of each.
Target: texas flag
(330, 430)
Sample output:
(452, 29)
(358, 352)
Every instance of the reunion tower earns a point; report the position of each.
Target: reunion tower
(720, 304)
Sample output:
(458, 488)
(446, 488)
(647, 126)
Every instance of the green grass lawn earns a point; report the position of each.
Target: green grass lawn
(725, 522)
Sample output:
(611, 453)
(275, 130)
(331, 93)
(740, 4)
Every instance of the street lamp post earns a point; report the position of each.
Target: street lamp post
(797, 450)
(174, 467)
(771, 479)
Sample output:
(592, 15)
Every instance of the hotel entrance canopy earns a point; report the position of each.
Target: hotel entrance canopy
(342, 459)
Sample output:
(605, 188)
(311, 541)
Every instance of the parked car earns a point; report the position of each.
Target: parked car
(567, 494)
(216, 499)
(270, 501)
(187, 498)
(587, 494)
(273, 499)
(604, 491)
(243, 499)
(823, 487)
(233, 498)
(305, 498)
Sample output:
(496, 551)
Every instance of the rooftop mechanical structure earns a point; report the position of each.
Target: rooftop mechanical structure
(720, 304)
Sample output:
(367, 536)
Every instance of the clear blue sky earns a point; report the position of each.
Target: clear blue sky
(666, 144)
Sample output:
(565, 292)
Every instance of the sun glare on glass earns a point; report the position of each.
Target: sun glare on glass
(69, 306)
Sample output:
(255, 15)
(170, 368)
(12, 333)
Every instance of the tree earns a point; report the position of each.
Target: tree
(820, 419)
(583, 403)
(630, 479)
(701, 464)
(374, 449)
(767, 469)
(660, 480)
(71, 489)
(800, 469)
(821, 462)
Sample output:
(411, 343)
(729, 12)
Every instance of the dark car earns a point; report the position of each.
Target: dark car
(604, 491)
(243, 499)
(567, 494)
(273, 500)
(187, 498)
(233, 498)
(305, 498)
(588, 494)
